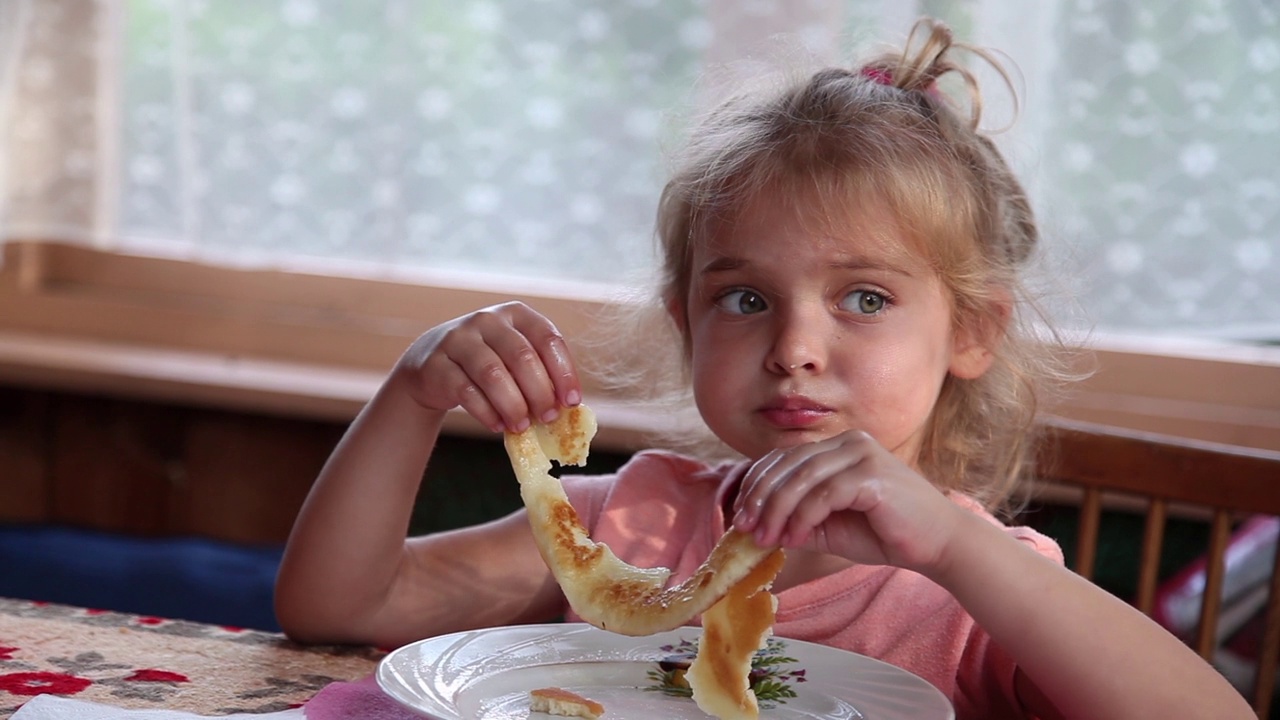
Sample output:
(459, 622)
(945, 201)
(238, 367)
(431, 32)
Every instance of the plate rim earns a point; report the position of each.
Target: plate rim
(394, 689)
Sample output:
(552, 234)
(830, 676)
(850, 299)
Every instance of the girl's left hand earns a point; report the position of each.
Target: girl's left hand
(846, 496)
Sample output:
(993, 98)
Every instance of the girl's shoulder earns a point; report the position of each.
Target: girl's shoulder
(1037, 540)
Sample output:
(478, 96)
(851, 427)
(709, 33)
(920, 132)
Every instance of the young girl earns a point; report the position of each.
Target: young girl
(841, 262)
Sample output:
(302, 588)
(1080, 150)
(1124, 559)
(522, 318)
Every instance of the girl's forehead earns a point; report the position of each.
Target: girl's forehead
(861, 226)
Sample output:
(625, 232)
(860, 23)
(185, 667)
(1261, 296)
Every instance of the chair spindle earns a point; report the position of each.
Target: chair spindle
(1152, 542)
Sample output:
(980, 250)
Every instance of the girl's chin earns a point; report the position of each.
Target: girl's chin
(792, 438)
(784, 441)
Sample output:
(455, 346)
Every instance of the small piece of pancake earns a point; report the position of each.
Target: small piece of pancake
(558, 701)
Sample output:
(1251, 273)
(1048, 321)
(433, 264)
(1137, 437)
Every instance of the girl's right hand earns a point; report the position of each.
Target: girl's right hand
(505, 365)
(848, 496)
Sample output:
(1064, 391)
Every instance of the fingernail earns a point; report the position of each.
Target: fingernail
(573, 397)
(522, 425)
(550, 415)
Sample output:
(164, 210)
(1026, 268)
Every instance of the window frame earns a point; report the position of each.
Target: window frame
(317, 346)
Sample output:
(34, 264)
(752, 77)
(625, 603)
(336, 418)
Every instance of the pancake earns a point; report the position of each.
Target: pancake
(602, 589)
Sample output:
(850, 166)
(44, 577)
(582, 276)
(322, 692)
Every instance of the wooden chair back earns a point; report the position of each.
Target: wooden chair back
(1156, 474)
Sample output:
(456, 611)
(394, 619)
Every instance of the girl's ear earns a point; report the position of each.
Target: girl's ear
(676, 309)
(974, 344)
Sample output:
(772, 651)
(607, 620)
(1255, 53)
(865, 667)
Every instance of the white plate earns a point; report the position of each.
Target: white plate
(487, 675)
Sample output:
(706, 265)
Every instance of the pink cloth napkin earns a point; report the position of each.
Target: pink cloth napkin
(359, 699)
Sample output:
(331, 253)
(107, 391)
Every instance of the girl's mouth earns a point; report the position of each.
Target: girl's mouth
(795, 413)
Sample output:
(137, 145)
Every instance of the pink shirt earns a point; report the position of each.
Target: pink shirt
(666, 510)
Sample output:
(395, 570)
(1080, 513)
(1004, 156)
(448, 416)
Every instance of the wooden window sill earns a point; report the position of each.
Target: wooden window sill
(313, 345)
(274, 387)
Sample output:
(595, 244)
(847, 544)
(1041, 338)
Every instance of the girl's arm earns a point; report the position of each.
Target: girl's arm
(1083, 650)
(348, 573)
(1082, 653)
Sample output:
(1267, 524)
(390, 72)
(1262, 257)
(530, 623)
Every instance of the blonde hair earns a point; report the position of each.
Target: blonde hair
(886, 133)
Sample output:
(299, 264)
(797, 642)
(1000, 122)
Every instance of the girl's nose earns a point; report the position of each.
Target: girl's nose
(798, 346)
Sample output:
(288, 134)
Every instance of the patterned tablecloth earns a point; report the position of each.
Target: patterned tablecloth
(136, 661)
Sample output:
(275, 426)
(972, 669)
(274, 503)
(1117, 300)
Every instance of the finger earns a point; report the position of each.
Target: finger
(492, 348)
(472, 400)
(813, 509)
(524, 367)
(487, 374)
(752, 491)
(782, 487)
(462, 392)
(564, 374)
(807, 477)
(555, 362)
(763, 498)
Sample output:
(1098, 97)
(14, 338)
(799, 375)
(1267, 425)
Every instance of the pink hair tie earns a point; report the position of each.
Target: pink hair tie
(879, 76)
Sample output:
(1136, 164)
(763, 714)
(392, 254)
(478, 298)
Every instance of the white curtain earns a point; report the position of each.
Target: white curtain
(393, 136)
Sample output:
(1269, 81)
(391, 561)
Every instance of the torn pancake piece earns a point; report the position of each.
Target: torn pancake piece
(733, 630)
(602, 589)
(558, 701)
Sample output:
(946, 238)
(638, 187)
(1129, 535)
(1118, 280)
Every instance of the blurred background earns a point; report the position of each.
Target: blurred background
(222, 220)
(526, 139)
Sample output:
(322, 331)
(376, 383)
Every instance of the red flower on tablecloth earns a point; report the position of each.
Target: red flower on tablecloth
(37, 683)
(153, 675)
(6, 653)
(150, 620)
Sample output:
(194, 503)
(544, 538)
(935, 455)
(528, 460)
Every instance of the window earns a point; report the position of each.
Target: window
(1155, 168)
(484, 137)
(495, 146)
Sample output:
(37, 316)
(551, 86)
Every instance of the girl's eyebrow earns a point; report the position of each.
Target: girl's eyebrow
(727, 263)
(723, 264)
(888, 265)
(895, 260)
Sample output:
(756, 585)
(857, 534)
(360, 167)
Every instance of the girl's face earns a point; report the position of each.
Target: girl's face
(797, 335)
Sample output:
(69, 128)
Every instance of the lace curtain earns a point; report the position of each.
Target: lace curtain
(400, 137)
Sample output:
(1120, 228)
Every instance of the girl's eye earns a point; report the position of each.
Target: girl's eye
(741, 302)
(866, 302)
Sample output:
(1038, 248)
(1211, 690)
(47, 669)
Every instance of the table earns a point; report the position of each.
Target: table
(134, 661)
